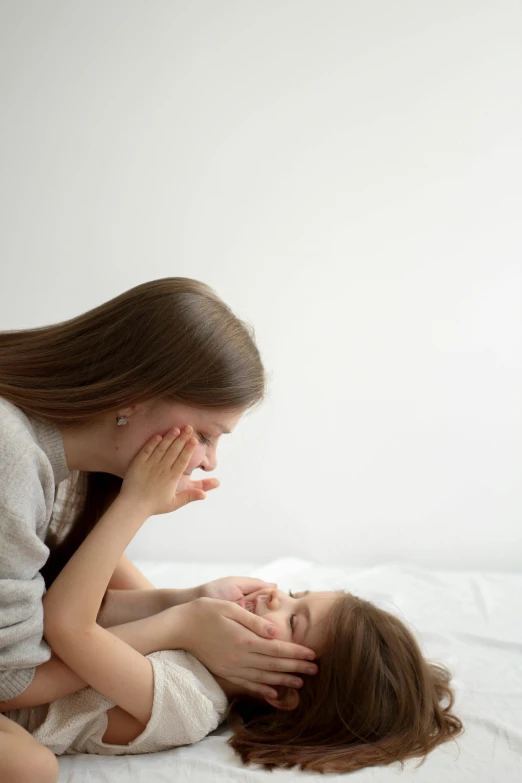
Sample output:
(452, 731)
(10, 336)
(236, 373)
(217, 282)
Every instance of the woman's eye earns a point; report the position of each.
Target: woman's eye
(292, 623)
(203, 439)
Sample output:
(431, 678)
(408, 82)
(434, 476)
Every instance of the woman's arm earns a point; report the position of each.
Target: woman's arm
(139, 622)
(125, 606)
(55, 679)
(52, 680)
(22, 648)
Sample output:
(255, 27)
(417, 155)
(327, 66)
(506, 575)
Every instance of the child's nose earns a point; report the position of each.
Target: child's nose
(273, 600)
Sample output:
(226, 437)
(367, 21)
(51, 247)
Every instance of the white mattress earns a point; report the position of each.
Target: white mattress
(471, 621)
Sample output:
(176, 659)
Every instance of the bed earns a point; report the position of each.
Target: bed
(471, 621)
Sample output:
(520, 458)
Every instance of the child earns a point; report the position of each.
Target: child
(374, 701)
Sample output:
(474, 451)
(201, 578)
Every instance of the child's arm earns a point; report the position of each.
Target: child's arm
(127, 576)
(71, 605)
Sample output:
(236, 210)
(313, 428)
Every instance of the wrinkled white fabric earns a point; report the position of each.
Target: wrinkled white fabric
(188, 704)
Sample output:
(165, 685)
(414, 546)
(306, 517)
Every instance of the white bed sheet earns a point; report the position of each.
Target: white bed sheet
(470, 621)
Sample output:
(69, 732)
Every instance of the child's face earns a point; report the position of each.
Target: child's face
(300, 618)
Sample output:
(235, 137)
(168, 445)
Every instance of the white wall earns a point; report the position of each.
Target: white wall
(347, 175)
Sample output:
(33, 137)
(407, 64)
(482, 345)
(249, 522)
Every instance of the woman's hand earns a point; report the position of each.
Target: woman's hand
(229, 641)
(231, 588)
(152, 478)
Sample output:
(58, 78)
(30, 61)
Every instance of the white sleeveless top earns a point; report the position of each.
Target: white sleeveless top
(188, 705)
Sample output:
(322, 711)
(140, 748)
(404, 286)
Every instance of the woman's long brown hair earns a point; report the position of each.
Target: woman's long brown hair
(375, 701)
(172, 338)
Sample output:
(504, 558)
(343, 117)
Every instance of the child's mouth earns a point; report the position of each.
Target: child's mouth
(250, 606)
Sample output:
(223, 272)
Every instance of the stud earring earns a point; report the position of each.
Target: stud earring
(121, 421)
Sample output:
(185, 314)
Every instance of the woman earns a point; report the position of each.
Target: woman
(374, 701)
(78, 400)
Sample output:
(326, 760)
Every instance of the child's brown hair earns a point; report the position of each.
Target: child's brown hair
(375, 700)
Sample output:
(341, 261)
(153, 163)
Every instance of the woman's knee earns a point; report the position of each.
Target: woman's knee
(43, 767)
(31, 765)
(24, 760)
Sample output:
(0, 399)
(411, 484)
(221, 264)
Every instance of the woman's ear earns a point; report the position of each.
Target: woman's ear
(288, 699)
(127, 411)
(130, 411)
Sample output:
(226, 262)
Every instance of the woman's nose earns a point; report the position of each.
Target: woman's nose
(209, 461)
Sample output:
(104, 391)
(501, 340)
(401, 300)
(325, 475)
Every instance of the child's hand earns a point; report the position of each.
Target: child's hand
(152, 477)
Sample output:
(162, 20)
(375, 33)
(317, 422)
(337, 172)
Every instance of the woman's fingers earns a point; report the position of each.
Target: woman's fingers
(268, 663)
(256, 689)
(270, 678)
(261, 627)
(250, 585)
(280, 649)
(274, 655)
(257, 625)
